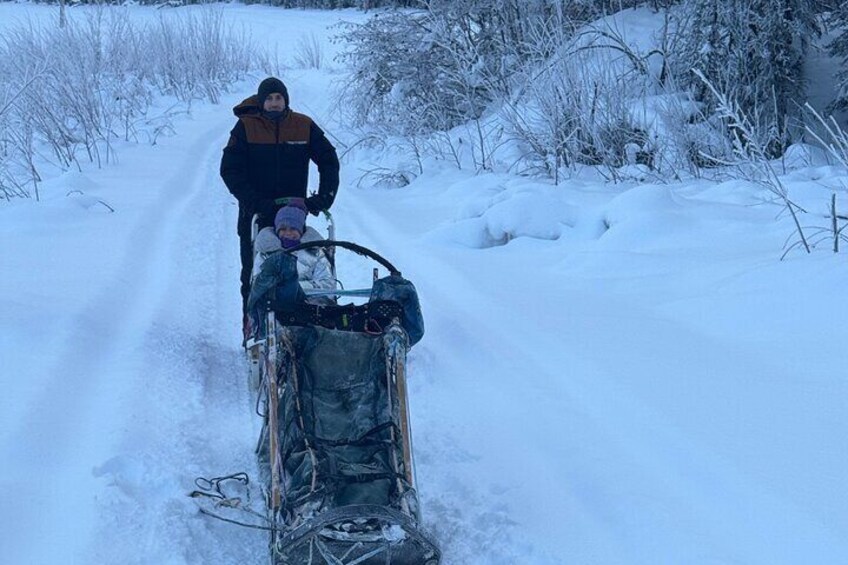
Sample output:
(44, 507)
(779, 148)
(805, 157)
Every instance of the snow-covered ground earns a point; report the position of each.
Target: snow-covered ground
(611, 374)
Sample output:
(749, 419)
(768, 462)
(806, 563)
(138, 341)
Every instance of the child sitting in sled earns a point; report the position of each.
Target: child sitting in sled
(313, 268)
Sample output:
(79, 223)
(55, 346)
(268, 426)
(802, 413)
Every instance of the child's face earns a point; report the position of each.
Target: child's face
(288, 233)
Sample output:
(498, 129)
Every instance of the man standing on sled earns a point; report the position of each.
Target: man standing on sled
(267, 158)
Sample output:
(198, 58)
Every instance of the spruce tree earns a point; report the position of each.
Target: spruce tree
(839, 48)
(752, 50)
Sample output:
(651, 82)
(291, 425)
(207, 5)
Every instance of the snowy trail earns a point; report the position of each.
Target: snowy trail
(150, 361)
(130, 301)
(190, 407)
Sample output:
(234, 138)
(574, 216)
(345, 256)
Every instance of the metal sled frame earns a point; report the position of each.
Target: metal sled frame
(331, 537)
(317, 542)
(339, 536)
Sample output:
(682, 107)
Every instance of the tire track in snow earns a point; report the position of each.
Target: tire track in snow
(470, 512)
(82, 409)
(204, 424)
(113, 323)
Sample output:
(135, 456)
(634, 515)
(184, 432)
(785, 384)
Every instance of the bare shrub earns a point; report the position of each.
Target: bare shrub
(750, 147)
(833, 138)
(198, 54)
(830, 135)
(383, 177)
(69, 92)
(309, 52)
(576, 103)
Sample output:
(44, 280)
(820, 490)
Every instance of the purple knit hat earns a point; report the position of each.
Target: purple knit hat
(290, 217)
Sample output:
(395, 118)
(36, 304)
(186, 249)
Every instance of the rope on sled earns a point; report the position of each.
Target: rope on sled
(237, 523)
(212, 489)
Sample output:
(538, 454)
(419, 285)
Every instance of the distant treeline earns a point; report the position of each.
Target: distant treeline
(315, 4)
(585, 6)
(421, 71)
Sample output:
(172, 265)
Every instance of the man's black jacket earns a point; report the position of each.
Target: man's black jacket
(267, 159)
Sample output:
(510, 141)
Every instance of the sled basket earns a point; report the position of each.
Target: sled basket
(339, 472)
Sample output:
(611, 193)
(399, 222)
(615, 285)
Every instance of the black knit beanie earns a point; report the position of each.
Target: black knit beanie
(268, 87)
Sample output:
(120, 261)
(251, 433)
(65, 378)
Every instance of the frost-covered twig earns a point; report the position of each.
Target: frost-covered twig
(749, 148)
(309, 52)
(837, 142)
(382, 176)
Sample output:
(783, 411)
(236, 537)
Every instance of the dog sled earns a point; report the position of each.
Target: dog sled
(335, 450)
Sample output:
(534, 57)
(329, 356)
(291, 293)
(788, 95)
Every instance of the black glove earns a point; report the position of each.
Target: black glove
(315, 204)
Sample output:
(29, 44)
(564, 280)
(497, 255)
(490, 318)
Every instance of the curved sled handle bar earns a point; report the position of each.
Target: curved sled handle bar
(350, 246)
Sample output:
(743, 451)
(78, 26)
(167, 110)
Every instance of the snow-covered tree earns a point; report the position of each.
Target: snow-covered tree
(751, 50)
(839, 48)
(320, 4)
(443, 64)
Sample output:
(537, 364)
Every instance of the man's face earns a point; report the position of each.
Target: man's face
(274, 103)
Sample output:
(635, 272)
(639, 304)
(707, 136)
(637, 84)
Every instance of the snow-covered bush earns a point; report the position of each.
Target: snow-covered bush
(752, 160)
(412, 70)
(692, 141)
(414, 75)
(565, 120)
(72, 91)
(450, 59)
(450, 64)
(578, 100)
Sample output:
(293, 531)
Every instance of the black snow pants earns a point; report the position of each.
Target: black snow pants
(246, 246)
(244, 229)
